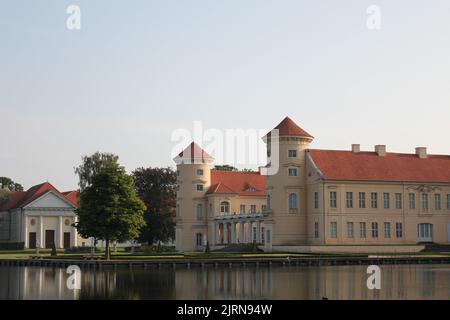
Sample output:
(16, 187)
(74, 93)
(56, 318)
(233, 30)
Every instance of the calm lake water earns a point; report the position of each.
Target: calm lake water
(334, 282)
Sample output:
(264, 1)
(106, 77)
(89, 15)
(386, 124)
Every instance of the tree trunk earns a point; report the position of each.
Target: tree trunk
(107, 252)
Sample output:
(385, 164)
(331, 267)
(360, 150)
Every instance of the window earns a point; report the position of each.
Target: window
(199, 211)
(263, 207)
(333, 199)
(448, 201)
(316, 200)
(178, 173)
(399, 230)
(334, 229)
(437, 201)
(316, 229)
(242, 209)
(199, 172)
(425, 201)
(349, 229)
(210, 211)
(224, 207)
(199, 187)
(374, 200)
(374, 230)
(292, 172)
(362, 230)
(293, 201)
(269, 205)
(387, 229)
(253, 208)
(199, 239)
(349, 199)
(398, 201)
(412, 201)
(386, 200)
(292, 153)
(362, 199)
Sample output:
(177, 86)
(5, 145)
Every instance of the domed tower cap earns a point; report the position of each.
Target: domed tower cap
(193, 154)
(288, 128)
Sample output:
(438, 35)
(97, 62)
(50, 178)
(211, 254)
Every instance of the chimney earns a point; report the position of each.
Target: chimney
(421, 152)
(380, 149)
(356, 148)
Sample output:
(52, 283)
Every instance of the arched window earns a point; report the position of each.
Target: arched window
(224, 207)
(199, 211)
(293, 201)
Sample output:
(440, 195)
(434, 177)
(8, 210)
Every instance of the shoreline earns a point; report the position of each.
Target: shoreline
(159, 263)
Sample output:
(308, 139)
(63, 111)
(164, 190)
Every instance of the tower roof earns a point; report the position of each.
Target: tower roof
(193, 154)
(288, 127)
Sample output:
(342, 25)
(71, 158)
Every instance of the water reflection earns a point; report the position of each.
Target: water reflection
(333, 282)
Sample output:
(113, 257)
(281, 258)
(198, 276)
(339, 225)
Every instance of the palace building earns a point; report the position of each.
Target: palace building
(41, 216)
(319, 200)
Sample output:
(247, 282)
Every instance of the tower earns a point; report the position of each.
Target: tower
(194, 180)
(287, 211)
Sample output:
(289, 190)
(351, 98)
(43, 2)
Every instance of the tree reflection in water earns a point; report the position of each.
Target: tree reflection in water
(333, 282)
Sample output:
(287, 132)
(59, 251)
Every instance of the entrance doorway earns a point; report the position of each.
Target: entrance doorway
(32, 240)
(49, 238)
(425, 232)
(66, 240)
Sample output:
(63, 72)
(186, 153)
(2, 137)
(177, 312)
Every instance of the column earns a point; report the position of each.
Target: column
(74, 234)
(59, 233)
(233, 232)
(40, 232)
(25, 230)
(225, 233)
(217, 234)
(214, 236)
(249, 235)
(241, 232)
(258, 231)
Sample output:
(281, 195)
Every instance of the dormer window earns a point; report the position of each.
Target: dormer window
(250, 189)
(292, 153)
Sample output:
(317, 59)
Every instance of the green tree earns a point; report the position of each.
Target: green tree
(92, 165)
(4, 196)
(110, 209)
(157, 188)
(8, 183)
(225, 167)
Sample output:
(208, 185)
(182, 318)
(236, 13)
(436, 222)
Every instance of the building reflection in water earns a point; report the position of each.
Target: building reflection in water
(344, 282)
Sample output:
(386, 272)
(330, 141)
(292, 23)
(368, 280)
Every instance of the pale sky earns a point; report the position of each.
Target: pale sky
(138, 70)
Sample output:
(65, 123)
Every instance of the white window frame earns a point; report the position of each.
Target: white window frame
(289, 153)
(333, 229)
(289, 172)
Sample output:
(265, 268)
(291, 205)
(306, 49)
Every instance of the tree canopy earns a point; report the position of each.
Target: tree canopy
(110, 208)
(8, 183)
(93, 164)
(157, 188)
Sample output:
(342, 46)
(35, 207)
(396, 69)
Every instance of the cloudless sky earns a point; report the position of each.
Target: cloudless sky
(137, 70)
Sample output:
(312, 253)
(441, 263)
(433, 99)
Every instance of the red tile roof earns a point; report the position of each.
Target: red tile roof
(288, 127)
(237, 182)
(368, 166)
(193, 154)
(22, 199)
(73, 197)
